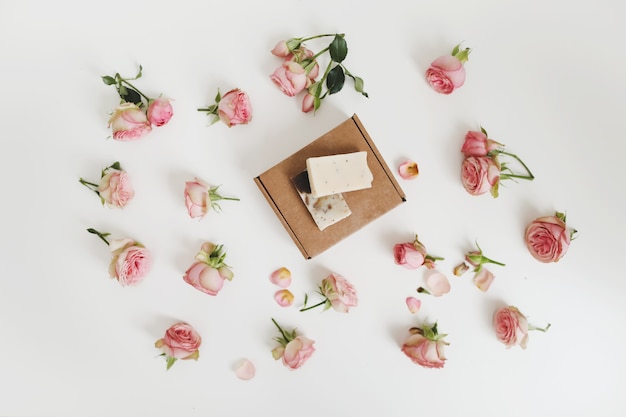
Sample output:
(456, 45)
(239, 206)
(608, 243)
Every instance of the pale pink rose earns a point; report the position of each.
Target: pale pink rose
(234, 108)
(197, 198)
(281, 50)
(290, 78)
(115, 188)
(547, 238)
(445, 74)
(297, 352)
(281, 277)
(413, 304)
(284, 297)
(130, 261)
(407, 256)
(479, 174)
(478, 144)
(438, 284)
(181, 341)
(207, 279)
(308, 103)
(340, 292)
(408, 170)
(511, 327)
(483, 279)
(425, 352)
(245, 370)
(160, 111)
(129, 122)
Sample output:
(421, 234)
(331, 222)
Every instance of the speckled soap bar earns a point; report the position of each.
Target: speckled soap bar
(339, 173)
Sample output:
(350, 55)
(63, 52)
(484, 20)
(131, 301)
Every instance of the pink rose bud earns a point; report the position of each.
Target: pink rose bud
(407, 256)
(234, 108)
(181, 341)
(447, 73)
(197, 198)
(281, 50)
(511, 327)
(477, 144)
(413, 304)
(205, 278)
(115, 188)
(308, 103)
(548, 238)
(438, 284)
(483, 279)
(130, 261)
(480, 174)
(129, 122)
(284, 297)
(339, 292)
(297, 352)
(281, 277)
(408, 170)
(160, 111)
(426, 347)
(290, 78)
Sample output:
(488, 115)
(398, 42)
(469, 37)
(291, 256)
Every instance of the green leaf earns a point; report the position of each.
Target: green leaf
(117, 166)
(456, 49)
(338, 48)
(335, 80)
(218, 97)
(139, 73)
(108, 80)
(482, 129)
(130, 96)
(316, 103)
(358, 86)
(170, 361)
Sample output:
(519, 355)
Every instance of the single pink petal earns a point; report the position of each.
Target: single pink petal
(408, 170)
(284, 298)
(483, 279)
(281, 277)
(413, 304)
(438, 284)
(245, 370)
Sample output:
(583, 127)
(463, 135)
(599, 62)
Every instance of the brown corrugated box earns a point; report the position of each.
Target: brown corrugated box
(366, 205)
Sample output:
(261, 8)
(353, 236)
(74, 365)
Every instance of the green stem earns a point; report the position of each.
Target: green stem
(491, 261)
(541, 329)
(316, 305)
(280, 330)
(93, 187)
(100, 235)
(530, 175)
(318, 36)
(434, 258)
(136, 89)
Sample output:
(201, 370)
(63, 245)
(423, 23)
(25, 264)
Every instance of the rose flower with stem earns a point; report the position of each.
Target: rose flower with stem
(114, 189)
(338, 293)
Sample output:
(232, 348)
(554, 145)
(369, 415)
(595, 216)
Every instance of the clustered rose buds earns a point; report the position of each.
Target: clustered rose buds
(548, 238)
(114, 189)
(447, 72)
(425, 347)
(181, 341)
(209, 271)
(200, 196)
(233, 108)
(294, 350)
(412, 255)
(300, 69)
(338, 293)
(137, 113)
(482, 169)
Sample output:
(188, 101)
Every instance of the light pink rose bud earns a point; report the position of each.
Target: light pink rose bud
(234, 108)
(425, 348)
(480, 174)
(181, 341)
(511, 327)
(281, 50)
(477, 144)
(406, 255)
(446, 74)
(197, 198)
(115, 188)
(308, 103)
(207, 279)
(160, 111)
(548, 238)
(297, 352)
(130, 261)
(290, 78)
(129, 122)
(339, 292)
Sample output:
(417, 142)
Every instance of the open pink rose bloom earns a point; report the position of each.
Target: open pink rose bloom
(446, 74)
(425, 352)
(511, 327)
(115, 188)
(129, 122)
(130, 261)
(547, 238)
(340, 292)
(234, 108)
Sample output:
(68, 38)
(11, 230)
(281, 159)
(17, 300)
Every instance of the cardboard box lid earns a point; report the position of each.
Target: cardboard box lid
(366, 205)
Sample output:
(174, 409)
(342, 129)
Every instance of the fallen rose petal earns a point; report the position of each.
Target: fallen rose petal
(438, 284)
(245, 370)
(281, 277)
(408, 170)
(284, 298)
(413, 304)
(483, 279)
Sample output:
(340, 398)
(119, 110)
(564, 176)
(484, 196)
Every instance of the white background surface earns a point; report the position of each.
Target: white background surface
(545, 78)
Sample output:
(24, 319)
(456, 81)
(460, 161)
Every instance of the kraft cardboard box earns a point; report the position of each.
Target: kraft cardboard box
(366, 205)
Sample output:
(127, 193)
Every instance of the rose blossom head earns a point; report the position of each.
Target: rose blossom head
(511, 327)
(297, 352)
(445, 74)
(478, 144)
(339, 292)
(290, 78)
(281, 49)
(129, 122)
(115, 188)
(207, 279)
(197, 198)
(480, 174)
(160, 111)
(181, 341)
(406, 255)
(234, 108)
(308, 103)
(130, 261)
(548, 238)
(426, 347)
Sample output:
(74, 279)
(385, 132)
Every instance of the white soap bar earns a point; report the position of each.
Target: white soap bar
(340, 173)
(326, 210)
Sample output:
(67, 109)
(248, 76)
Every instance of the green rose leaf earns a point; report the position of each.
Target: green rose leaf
(338, 48)
(335, 80)
(108, 80)
(130, 96)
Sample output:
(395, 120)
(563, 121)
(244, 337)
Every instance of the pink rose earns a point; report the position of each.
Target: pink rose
(281, 50)
(479, 174)
(477, 144)
(181, 341)
(130, 262)
(511, 327)
(197, 198)
(548, 238)
(129, 122)
(339, 292)
(290, 78)
(308, 103)
(160, 111)
(209, 271)
(425, 347)
(115, 188)
(234, 108)
(407, 256)
(297, 352)
(445, 74)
